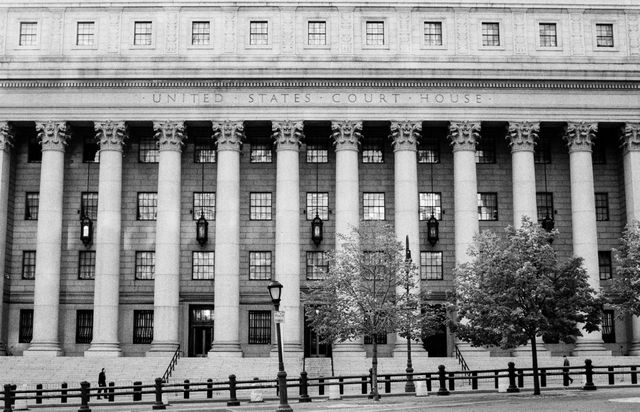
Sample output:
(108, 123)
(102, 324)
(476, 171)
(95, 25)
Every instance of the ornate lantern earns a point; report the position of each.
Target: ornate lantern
(433, 233)
(316, 230)
(202, 230)
(86, 230)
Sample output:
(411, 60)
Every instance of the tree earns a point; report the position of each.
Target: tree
(369, 289)
(515, 289)
(625, 289)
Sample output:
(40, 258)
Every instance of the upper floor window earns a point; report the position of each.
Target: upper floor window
(487, 206)
(486, 149)
(145, 265)
(317, 203)
(598, 152)
(608, 326)
(31, 206)
(259, 265)
(203, 265)
(84, 326)
(89, 205)
(200, 33)
(28, 264)
(429, 151)
(259, 33)
(317, 153)
(260, 206)
(604, 35)
(261, 153)
(142, 33)
(317, 33)
(28, 33)
(430, 204)
(544, 205)
(373, 206)
(381, 339)
(148, 151)
(90, 150)
(142, 326)
(34, 153)
(372, 153)
(204, 151)
(604, 265)
(602, 206)
(87, 264)
(433, 33)
(147, 206)
(542, 151)
(491, 34)
(204, 203)
(375, 33)
(548, 35)
(431, 265)
(317, 265)
(85, 33)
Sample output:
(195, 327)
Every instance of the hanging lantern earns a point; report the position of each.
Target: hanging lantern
(548, 223)
(433, 234)
(202, 230)
(86, 230)
(316, 230)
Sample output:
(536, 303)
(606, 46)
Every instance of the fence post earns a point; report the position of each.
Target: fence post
(112, 391)
(364, 385)
(496, 382)
(520, 378)
(39, 394)
(137, 391)
(186, 389)
(304, 388)
(320, 386)
(341, 385)
(443, 381)
(543, 377)
(7, 398)
(512, 378)
(63, 392)
(84, 397)
(158, 403)
(474, 380)
(634, 376)
(588, 371)
(427, 380)
(387, 384)
(452, 382)
(611, 375)
(233, 401)
(209, 388)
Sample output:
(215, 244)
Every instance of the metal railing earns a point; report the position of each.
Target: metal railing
(460, 358)
(172, 365)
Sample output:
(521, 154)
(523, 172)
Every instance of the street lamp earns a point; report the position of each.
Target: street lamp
(86, 230)
(275, 291)
(316, 230)
(409, 386)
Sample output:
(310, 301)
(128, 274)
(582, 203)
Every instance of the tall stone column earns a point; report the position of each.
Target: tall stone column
(631, 160)
(226, 334)
(53, 136)
(287, 136)
(111, 136)
(464, 137)
(6, 144)
(580, 137)
(522, 139)
(166, 294)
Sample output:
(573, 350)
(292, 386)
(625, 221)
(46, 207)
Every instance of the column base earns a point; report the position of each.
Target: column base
(50, 349)
(590, 348)
(103, 350)
(226, 349)
(344, 348)
(162, 349)
(634, 349)
(400, 349)
(525, 350)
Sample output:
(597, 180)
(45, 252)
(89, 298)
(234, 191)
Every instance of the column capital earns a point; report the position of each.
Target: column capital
(405, 135)
(111, 135)
(53, 134)
(346, 134)
(630, 137)
(170, 135)
(580, 136)
(287, 134)
(523, 136)
(6, 136)
(228, 135)
(464, 135)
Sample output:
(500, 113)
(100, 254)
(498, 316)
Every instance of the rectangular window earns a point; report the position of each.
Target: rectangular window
(87, 264)
(25, 333)
(604, 265)
(34, 153)
(491, 34)
(598, 153)
(548, 35)
(200, 33)
(148, 151)
(317, 154)
(259, 33)
(608, 327)
(204, 152)
(84, 326)
(142, 326)
(381, 339)
(604, 35)
(431, 265)
(85, 34)
(31, 206)
(373, 206)
(433, 33)
(429, 151)
(544, 205)
(259, 327)
(203, 265)
(28, 264)
(142, 33)
(260, 265)
(261, 153)
(260, 205)
(145, 265)
(602, 206)
(317, 203)
(89, 205)
(28, 34)
(487, 206)
(204, 203)
(317, 265)
(542, 151)
(430, 204)
(147, 206)
(375, 33)
(90, 151)
(372, 153)
(486, 150)
(317, 33)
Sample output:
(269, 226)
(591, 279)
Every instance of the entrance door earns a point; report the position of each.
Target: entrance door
(200, 329)
(313, 348)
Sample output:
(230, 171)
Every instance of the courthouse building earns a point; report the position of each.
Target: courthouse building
(122, 124)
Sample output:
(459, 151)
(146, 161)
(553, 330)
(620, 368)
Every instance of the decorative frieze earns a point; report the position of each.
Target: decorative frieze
(228, 135)
(288, 30)
(464, 135)
(170, 135)
(577, 34)
(346, 135)
(111, 135)
(53, 135)
(405, 135)
(633, 24)
(630, 137)
(462, 31)
(522, 136)
(520, 33)
(346, 32)
(287, 134)
(172, 32)
(114, 32)
(230, 30)
(6, 136)
(580, 136)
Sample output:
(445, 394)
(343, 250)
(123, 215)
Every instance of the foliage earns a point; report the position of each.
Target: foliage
(625, 289)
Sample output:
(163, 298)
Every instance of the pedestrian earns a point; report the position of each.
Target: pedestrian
(102, 383)
(565, 371)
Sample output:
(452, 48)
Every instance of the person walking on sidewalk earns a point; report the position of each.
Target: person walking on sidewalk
(102, 383)
(565, 371)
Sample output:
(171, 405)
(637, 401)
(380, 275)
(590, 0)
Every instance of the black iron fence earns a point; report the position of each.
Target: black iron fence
(442, 383)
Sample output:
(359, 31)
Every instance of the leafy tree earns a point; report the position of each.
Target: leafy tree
(625, 289)
(515, 289)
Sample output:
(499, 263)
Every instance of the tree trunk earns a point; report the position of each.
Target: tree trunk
(374, 370)
(534, 359)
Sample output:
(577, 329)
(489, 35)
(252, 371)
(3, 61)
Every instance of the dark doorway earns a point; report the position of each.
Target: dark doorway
(436, 344)
(313, 348)
(200, 329)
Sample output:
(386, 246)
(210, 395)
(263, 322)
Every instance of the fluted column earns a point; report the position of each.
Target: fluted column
(226, 334)
(522, 139)
(166, 294)
(580, 137)
(53, 136)
(464, 137)
(287, 136)
(631, 160)
(6, 144)
(111, 136)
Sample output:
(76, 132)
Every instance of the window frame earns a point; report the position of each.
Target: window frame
(597, 37)
(28, 208)
(153, 207)
(542, 45)
(143, 333)
(608, 323)
(605, 265)
(602, 211)
(36, 35)
(496, 212)
(28, 269)
(87, 204)
(151, 34)
(151, 155)
(254, 268)
(258, 212)
(84, 326)
(316, 153)
(366, 34)
(365, 207)
(138, 264)
(315, 263)
(425, 273)
(260, 153)
(547, 207)
(484, 36)
(259, 329)
(309, 44)
(208, 43)
(93, 34)
(486, 150)
(437, 207)
(320, 207)
(427, 145)
(87, 266)
(368, 152)
(212, 266)
(204, 148)
(209, 209)
(425, 43)
(25, 326)
(250, 34)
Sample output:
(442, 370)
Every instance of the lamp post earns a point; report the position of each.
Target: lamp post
(275, 291)
(409, 386)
